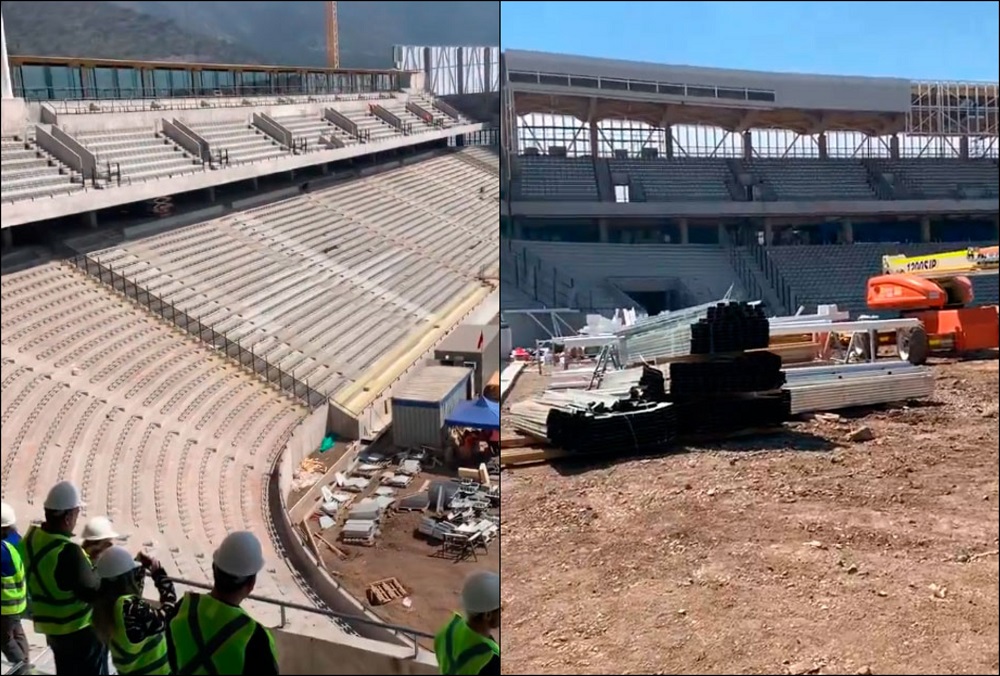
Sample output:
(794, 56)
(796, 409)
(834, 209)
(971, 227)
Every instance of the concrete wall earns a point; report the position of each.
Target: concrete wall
(14, 118)
(346, 655)
(646, 210)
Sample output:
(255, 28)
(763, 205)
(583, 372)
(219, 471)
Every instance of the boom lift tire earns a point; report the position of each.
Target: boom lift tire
(913, 345)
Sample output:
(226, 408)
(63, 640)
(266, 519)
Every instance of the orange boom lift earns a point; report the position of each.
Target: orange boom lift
(937, 289)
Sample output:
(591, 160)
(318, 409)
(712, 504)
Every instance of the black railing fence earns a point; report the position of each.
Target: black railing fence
(245, 357)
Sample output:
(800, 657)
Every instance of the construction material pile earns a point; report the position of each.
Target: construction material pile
(728, 393)
(731, 327)
(704, 329)
(587, 422)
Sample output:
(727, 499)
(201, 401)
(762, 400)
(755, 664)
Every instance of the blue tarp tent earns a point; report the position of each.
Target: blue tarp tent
(481, 414)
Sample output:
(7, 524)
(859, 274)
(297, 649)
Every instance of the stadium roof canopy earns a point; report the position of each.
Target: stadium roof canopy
(593, 89)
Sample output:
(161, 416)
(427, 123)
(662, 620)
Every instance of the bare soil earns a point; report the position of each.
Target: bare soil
(797, 553)
(435, 584)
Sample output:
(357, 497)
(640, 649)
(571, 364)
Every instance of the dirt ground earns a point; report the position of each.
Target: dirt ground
(799, 553)
(434, 584)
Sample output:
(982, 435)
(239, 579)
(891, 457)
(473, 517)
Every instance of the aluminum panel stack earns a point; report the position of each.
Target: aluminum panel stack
(664, 336)
(832, 388)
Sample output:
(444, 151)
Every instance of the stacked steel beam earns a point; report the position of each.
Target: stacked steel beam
(588, 422)
(832, 388)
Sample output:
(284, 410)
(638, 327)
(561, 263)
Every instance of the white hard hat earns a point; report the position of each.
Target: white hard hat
(115, 562)
(239, 555)
(7, 516)
(63, 497)
(481, 593)
(99, 528)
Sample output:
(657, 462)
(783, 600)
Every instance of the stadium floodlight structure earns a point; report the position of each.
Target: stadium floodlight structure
(8, 90)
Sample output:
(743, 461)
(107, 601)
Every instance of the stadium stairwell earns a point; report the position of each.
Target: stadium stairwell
(605, 183)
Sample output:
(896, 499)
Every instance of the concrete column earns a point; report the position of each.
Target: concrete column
(211, 194)
(8, 87)
(925, 229)
(847, 231)
(594, 135)
(963, 147)
(8, 238)
(602, 226)
(685, 229)
(821, 146)
(722, 233)
(768, 232)
(894, 147)
(668, 139)
(747, 146)
(91, 218)
(518, 230)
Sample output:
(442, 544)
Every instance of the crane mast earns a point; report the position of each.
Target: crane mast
(332, 36)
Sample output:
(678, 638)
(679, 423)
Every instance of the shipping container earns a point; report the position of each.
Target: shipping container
(422, 403)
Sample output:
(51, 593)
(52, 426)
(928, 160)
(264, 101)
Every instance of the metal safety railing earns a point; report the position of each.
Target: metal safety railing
(247, 358)
(284, 606)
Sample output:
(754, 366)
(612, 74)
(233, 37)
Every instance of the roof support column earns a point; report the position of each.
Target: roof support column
(847, 231)
(925, 229)
(894, 146)
(747, 145)
(821, 145)
(668, 139)
(8, 89)
(963, 147)
(594, 143)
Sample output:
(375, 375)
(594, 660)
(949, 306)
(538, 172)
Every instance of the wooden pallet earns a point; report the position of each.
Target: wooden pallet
(385, 591)
(531, 456)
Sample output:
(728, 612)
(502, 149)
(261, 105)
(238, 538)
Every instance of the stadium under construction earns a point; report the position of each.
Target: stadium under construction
(210, 272)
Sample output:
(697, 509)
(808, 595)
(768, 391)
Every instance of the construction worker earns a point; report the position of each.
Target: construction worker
(62, 585)
(98, 535)
(134, 631)
(465, 647)
(211, 634)
(13, 592)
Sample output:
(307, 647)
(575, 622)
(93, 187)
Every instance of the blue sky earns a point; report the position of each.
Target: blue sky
(917, 40)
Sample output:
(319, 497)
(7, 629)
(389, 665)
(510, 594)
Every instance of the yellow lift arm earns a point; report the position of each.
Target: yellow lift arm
(971, 262)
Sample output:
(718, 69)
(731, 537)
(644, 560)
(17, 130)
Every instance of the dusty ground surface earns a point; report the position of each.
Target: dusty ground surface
(800, 553)
(434, 584)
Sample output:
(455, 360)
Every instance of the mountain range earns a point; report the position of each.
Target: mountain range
(279, 33)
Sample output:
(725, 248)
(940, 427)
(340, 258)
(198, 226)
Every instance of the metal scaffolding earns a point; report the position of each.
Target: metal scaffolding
(452, 71)
(953, 109)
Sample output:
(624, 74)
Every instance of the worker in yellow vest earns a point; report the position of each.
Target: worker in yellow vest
(465, 646)
(13, 592)
(134, 631)
(62, 584)
(211, 634)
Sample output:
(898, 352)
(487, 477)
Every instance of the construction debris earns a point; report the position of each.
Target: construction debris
(720, 379)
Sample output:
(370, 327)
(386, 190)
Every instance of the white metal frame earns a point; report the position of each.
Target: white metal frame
(452, 70)
(7, 86)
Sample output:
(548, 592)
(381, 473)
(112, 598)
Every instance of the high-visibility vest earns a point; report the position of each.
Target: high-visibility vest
(462, 651)
(211, 637)
(147, 657)
(54, 611)
(13, 591)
